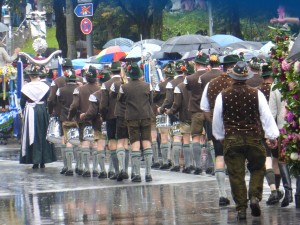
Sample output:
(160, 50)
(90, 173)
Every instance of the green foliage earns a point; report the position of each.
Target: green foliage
(184, 23)
(287, 73)
(51, 41)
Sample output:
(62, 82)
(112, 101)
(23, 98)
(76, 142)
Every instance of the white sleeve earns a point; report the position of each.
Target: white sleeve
(58, 92)
(204, 104)
(217, 123)
(266, 118)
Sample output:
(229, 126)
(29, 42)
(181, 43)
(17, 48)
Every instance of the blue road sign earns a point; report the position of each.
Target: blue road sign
(84, 10)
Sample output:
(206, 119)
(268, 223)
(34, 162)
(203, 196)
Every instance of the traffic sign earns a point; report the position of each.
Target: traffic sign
(86, 26)
(83, 10)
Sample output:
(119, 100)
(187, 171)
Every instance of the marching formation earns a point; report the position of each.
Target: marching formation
(212, 113)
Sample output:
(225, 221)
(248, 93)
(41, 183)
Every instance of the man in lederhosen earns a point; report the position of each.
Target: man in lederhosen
(64, 99)
(80, 105)
(121, 129)
(182, 138)
(214, 72)
(137, 95)
(193, 84)
(168, 101)
(54, 107)
(265, 88)
(210, 93)
(107, 111)
(240, 113)
(159, 96)
(93, 114)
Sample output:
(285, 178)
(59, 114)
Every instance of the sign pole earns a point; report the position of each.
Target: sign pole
(89, 42)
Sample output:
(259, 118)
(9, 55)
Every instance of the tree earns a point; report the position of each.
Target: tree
(58, 6)
(70, 31)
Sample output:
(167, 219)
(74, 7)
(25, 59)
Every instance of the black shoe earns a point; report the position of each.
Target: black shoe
(137, 178)
(192, 167)
(279, 194)
(86, 173)
(288, 198)
(122, 175)
(132, 175)
(164, 167)
(254, 205)
(155, 165)
(175, 169)
(114, 177)
(102, 175)
(63, 170)
(69, 173)
(125, 176)
(209, 171)
(186, 170)
(42, 165)
(198, 171)
(241, 215)
(76, 170)
(223, 201)
(80, 172)
(110, 174)
(273, 198)
(35, 166)
(95, 173)
(170, 163)
(148, 178)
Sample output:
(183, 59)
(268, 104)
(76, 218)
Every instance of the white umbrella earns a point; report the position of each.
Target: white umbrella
(3, 27)
(139, 51)
(265, 50)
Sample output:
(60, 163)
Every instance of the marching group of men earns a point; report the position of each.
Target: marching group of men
(206, 100)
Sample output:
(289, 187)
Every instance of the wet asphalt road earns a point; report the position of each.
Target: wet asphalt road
(44, 196)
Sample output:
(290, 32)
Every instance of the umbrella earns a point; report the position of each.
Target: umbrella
(166, 56)
(248, 54)
(149, 41)
(189, 42)
(112, 53)
(3, 27)
(78, 63)
(137, 51)
(81, 44)
(192, 54)
(251, 45)
(119, 41)
(295, 50)
(225, 39)
(265, 50)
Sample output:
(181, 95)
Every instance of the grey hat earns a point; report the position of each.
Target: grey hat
(240, 71)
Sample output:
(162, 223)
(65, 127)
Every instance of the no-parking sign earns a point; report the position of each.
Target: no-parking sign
(86, 26)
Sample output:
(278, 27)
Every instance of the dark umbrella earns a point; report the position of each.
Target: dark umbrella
(149, 41)
(119, 41)
(187, 43)
(192, 54)
(250, 45)
(295, 50)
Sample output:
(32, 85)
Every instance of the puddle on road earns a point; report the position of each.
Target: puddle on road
(13, 155)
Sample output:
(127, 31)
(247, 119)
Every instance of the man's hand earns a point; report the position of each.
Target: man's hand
(168, 112)
(82, 116)
(271, 143)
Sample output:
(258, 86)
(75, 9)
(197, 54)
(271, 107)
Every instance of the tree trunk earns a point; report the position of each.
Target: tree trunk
(1, 4)
(72, 54)
(234, 15)
(60, 19)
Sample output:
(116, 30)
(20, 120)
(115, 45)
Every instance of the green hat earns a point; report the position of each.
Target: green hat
(230, 59)
(202, 58)
(266, 70)
(255, 63)
(67, 62)
(70, 76)
(180, 66)
(115, 66)
(169, 70)
(104, 76)
(33, 70)
(134, 71)
(92, 72)
(190, 68)
(240, 71)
